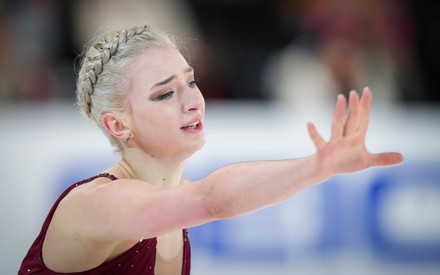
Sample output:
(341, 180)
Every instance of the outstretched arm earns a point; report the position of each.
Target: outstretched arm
(244, 187)
(103, 213)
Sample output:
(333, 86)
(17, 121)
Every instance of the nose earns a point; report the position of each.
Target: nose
(193, 101)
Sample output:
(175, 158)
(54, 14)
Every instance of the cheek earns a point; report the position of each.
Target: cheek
(154, 121)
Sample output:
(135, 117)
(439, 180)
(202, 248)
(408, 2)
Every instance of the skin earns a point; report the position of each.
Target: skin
(100, 220)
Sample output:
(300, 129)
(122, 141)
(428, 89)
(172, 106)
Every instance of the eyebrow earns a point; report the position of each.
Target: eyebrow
(169, 79)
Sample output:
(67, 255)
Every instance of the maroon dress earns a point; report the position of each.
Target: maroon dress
(140, 259)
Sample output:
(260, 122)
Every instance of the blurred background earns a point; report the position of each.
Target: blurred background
(265, 68)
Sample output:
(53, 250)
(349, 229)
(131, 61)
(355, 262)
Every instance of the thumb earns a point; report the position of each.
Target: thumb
(386, 159)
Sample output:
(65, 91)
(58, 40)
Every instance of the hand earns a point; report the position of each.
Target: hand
(346, 152)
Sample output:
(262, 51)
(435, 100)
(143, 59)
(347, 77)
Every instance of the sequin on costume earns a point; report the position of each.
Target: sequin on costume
(139, 259)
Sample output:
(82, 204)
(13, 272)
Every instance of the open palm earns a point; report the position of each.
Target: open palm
(346, 152)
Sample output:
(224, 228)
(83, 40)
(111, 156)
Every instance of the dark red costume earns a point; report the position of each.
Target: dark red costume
(139, 259)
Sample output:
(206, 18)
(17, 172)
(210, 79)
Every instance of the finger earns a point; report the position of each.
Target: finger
(385, 159)
(364, 112)
(338, 117)
(351, 124)
(315, 136)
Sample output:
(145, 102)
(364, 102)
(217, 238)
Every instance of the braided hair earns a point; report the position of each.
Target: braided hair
(103, 78)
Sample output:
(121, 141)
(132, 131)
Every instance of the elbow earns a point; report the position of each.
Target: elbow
(217, 211)
(216, 203)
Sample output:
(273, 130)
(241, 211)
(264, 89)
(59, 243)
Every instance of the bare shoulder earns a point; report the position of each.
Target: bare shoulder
(72, 225)
(98, 218)
(88, 207)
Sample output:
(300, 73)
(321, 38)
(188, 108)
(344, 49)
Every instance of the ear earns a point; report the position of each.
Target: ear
(115, 126)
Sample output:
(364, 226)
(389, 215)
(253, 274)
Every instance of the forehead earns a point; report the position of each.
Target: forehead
(158, 63)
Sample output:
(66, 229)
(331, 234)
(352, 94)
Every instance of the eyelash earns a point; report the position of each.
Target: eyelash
(167, 95)
(164, 96)
(193, 84)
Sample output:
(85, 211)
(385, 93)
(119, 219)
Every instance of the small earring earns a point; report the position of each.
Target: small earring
(128, 139)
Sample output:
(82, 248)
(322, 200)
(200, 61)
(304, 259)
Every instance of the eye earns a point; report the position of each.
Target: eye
(164, 96)
(193, 84)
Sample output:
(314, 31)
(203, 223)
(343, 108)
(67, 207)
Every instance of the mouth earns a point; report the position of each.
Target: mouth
(193, 126)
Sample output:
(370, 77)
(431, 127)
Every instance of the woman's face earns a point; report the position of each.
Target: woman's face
(167, 107)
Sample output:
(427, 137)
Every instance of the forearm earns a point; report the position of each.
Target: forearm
(244, 187)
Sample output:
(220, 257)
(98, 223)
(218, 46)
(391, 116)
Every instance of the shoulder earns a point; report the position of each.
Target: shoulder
(101, 192)
(87, 213)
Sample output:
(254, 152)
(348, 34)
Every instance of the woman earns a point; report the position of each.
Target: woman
(132, 219)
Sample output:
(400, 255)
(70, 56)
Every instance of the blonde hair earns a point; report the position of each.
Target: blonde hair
(103, 79)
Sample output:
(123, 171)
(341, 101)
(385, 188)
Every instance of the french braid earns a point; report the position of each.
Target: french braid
(93, 63)
(103, 78)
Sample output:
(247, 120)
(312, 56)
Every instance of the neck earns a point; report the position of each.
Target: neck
(154, 171)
